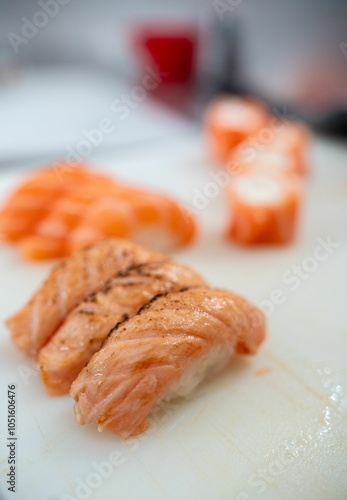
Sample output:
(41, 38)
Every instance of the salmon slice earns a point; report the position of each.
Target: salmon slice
(229, 120)
(65, 215)
(41, 247)
(34, 199)
(163, 352)
(70, 281)
(21, 214)
(88, 325)
(264, 206)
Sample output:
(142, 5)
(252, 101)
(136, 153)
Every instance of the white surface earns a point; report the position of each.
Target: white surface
(288, 425)
(49, 112)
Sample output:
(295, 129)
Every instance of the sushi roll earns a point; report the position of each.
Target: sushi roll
(229, 121)
(287, 150)
(264, 206)
(270, 159)
(292, 140)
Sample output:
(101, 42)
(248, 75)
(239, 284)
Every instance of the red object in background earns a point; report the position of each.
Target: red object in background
(171, 49)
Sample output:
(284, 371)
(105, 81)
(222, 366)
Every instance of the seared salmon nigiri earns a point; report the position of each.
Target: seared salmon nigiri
(162, 352)
(70, 281)
(88, 325)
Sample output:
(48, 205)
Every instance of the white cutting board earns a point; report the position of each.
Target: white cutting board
(78, 99)
(273, 426)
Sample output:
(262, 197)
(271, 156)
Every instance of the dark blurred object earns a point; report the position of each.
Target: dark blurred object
(170, 48)
(335, 124)
(222, 70)
(292, 54)
(9, 69)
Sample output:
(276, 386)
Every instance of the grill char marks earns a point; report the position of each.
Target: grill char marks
(70, 281)
(145, 355)
(120, 298)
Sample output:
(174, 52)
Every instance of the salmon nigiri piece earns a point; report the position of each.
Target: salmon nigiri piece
(88, 325)
(59, 211)
(70, 281)
(161, 218)
(229, 120)
(264, 206)
(162, 352)
(144, 217)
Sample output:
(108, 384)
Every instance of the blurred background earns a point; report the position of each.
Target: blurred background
(150, 67)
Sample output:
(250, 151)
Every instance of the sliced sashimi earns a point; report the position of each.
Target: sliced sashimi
(42, 248)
